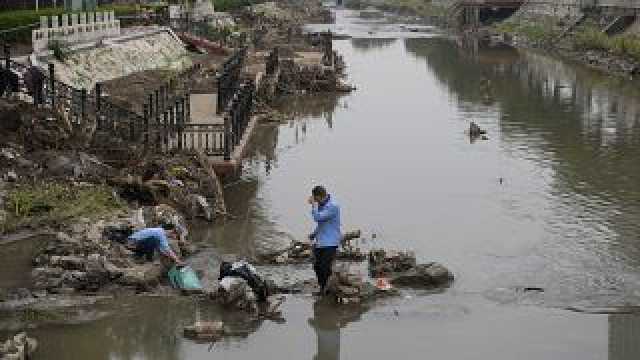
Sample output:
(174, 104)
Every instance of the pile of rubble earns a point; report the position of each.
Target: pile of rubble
(402, 270)
(236, 293)
(179, 181)
(19, 347)
(300, 79)
(300, 252)
(384, 262)
(349, 288)
(92, 257)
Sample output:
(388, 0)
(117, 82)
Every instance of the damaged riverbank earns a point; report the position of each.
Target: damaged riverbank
(81, 203)
(603, 38)
(600, 38)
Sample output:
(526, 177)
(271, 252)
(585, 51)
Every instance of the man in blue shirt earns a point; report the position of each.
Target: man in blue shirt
(146, 241)
(327, 235)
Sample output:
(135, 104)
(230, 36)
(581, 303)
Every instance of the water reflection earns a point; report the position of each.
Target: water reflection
(327, 322)
(366, 44)
(624, 332)
(581, 127)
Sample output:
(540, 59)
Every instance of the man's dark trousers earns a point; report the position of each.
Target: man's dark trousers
(323, 261)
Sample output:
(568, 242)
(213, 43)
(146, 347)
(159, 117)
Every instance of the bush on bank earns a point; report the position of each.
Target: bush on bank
(591, 38)
(537, 32)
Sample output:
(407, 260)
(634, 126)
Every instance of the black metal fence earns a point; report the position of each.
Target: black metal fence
(229, 78)
(164, 124)
(273, 61)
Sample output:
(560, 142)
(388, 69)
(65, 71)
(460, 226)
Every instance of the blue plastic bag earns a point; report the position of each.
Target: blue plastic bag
(184, 278)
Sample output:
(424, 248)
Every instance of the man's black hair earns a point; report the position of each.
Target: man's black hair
(168, 226)
(319, 191)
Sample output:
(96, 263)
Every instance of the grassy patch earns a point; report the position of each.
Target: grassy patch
(538, 32)
(228, 5)
(15, 18)
(55, 203)
(591, 38)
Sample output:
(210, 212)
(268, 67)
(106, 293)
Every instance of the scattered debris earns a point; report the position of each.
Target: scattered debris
(402, 270)
(383, 262)
(475, 131)
(301, 252)
(351, 289)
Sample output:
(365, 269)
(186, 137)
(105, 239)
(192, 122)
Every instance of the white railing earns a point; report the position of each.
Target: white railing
(75, 28)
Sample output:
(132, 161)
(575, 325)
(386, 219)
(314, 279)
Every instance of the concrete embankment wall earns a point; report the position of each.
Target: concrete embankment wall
(147, 50)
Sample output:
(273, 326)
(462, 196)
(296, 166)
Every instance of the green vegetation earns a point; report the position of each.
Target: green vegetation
(16, 18)
(591, 38)
(228, 5)
(538, 32)
(417, 7)
(30, 205)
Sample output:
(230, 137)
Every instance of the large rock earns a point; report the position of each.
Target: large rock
(423, 276)
(143, 275)
(384, 262)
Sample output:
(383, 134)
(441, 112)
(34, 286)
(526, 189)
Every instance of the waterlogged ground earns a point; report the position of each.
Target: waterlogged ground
(564, 219)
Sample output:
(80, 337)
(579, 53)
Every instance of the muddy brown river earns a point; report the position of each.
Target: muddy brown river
(539, 223)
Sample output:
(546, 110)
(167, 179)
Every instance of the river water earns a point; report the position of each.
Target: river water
(549, 202)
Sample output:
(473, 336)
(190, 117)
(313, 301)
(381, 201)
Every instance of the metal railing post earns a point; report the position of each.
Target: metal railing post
(227, 137)
(52, 84)
(145, 119)
(98, 96)
(159, 108)
(167, 118)
(151, 112)
(83, 105)
(187, 109)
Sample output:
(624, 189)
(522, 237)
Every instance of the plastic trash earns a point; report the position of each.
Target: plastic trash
(383, 284)
(184, 278)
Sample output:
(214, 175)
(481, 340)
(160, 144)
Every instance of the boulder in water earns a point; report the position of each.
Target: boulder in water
(423, 276)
